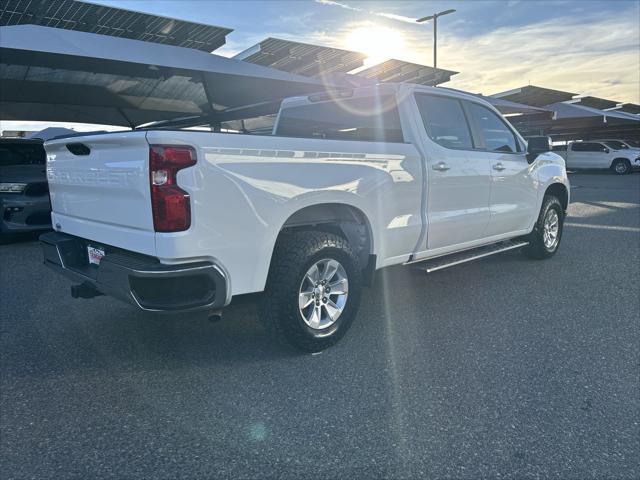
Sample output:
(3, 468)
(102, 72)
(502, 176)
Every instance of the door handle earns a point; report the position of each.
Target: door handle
(499, 167)
(441, 167)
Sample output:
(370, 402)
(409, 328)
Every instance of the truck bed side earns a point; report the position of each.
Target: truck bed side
(243, 189)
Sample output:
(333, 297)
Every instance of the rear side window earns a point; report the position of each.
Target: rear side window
(497, 136)
(445, 121)
(19, 153)
(587, 147)
(370, 119)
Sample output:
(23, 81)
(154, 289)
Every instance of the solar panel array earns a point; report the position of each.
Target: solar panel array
(116, 22)
(400, 71)
(133, 96)
(597, 102)
(535, 96)
(301, 58)
(315, 60)
(631, 108)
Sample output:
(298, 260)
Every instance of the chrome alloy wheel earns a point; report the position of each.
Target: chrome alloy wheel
(551, 229)
(323, 294)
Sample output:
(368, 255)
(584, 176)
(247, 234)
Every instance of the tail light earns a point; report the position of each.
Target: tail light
(170, 204)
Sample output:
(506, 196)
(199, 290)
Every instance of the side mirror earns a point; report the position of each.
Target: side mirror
(536, 146)
(606, 150)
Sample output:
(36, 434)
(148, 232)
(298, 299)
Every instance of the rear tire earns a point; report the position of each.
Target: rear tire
(621, 166)
(298, 304)
(545, 238)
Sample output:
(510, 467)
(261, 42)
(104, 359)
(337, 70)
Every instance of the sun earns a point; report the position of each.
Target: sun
(376, 42)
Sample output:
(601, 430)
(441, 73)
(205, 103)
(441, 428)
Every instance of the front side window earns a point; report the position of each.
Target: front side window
(372, 119)
(493, 130)
(615, 144)
(445, 121)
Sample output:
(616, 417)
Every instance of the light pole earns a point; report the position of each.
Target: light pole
(434, 17)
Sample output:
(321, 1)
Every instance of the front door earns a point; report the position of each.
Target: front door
(513, 198)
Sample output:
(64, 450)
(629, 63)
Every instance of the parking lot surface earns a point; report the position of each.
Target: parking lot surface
(505, 367)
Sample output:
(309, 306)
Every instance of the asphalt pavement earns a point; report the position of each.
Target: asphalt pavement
(500, 368)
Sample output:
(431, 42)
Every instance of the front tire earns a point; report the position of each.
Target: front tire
(621, 166)
(313, 289)
(547, 233)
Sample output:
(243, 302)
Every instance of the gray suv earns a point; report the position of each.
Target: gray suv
(24, 192)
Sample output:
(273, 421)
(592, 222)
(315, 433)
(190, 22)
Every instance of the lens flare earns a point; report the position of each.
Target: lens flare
(377, 42)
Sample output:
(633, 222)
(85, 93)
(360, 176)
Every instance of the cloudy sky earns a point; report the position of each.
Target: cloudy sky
(585, 46)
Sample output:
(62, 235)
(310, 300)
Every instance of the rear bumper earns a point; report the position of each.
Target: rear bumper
(137, 279)
(21, 213)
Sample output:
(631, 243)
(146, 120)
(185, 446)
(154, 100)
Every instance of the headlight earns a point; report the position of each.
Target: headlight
(12, 187)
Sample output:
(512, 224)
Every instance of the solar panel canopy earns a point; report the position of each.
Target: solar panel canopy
(400, 71)
(597, 102)
(301, 58)
(336, 63)
(632, 108)
(50, 74)
(586, 117)
(569, 110)
(115, 22)
(507, 107)
(535, 96)
(573, 120)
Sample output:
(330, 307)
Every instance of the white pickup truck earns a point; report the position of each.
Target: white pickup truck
(347, 183)
(604, 154)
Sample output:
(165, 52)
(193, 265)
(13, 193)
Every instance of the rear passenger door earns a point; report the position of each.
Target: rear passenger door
(458, 176)
(577, 156)
(514, 195)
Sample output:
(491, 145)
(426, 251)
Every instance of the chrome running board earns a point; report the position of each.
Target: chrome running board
(439, 263)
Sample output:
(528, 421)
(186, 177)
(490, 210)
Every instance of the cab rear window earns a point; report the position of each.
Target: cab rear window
(370, 119)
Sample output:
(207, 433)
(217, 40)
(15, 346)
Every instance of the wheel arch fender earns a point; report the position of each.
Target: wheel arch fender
(552, 177)
(342, 214)
(619, 159)
(560, 191)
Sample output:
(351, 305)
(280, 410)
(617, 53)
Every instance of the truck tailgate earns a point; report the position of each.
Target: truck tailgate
(102, 194)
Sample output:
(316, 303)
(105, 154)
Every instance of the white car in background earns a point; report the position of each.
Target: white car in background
(597, 155)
